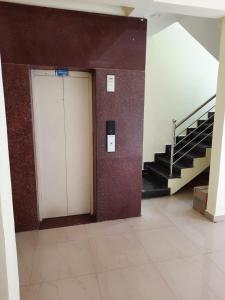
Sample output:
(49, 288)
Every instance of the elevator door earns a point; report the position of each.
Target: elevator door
(62, 126)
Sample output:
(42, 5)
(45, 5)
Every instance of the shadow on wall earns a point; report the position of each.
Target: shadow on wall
(206, 31)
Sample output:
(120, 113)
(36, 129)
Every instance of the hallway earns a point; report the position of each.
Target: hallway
(171, 252)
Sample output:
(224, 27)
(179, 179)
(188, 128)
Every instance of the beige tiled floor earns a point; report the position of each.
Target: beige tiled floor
(170, 253)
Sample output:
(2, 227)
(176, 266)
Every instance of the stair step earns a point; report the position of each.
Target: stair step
(153, 193)
(203, 122)
(205, 128)
(161, 172)
(205, 125)
(202, 145)
(165, 163)
(187, 160)
(211, 113)
(190, 155)
(204, 138)
(187, 145)
(179, 138)
(182, 164)
(151, 187)
(197, 136)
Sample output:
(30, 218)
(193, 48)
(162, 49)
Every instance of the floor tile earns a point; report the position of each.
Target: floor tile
(208, 235)
(77, 256)
(137, 283)
(29, 292)
(151, 218)
(56, 261)
(63, 234)
(80, 288)
(212, 275)
(167, 243)
(218, 257)
(54, 235)
(49, 264)
(77, 233)
(26, 246)
(193, 279)
(170, 252)
(117, 251)
(106, 228)
(26, 239)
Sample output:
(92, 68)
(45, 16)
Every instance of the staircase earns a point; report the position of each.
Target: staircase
(187, 156)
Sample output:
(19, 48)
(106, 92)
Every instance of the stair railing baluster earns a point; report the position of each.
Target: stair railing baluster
(175, 126)
(197, 128)
(173, 143)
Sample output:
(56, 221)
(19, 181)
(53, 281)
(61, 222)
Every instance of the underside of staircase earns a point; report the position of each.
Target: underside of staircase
(192, 154)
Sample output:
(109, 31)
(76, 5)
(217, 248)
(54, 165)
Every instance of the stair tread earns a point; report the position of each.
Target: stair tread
(180, 164)
(202, 128)
(205, 134)
(201, 136)
(152, 183)
(208, 119)
(190, 154)
(203, 122)
(201, 145)
(151, 187)
(162, 171)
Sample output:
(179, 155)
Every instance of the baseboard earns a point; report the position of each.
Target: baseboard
(215, 219)
(26, 227)
(67, 221)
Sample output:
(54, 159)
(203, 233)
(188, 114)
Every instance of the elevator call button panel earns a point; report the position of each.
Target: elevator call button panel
(111, 136)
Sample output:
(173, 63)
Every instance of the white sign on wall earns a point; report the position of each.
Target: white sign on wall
(111, 83)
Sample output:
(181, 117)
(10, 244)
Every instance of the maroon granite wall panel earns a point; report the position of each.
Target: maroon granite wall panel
(119, 174)
(51, 37)
(19, 122)
(35, 36)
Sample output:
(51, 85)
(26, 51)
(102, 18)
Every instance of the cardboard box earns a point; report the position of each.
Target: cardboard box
(200, 198)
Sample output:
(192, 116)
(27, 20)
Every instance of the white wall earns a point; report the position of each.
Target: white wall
(216, 200)
(9, 282)
(180, 76)
(158, 22)
(206, 31)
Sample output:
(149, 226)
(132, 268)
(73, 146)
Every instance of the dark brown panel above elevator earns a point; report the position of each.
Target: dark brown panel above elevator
(53, 37)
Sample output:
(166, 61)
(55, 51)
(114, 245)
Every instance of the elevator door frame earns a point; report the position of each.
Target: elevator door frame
(41, 72)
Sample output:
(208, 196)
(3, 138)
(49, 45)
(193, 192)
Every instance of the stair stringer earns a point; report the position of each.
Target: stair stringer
(187, 174)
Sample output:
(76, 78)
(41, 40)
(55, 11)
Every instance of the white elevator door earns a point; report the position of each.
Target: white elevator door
(50, 145)
(78, 143)
(62, 119)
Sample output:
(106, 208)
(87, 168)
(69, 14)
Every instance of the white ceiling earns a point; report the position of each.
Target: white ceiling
(138, 8)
